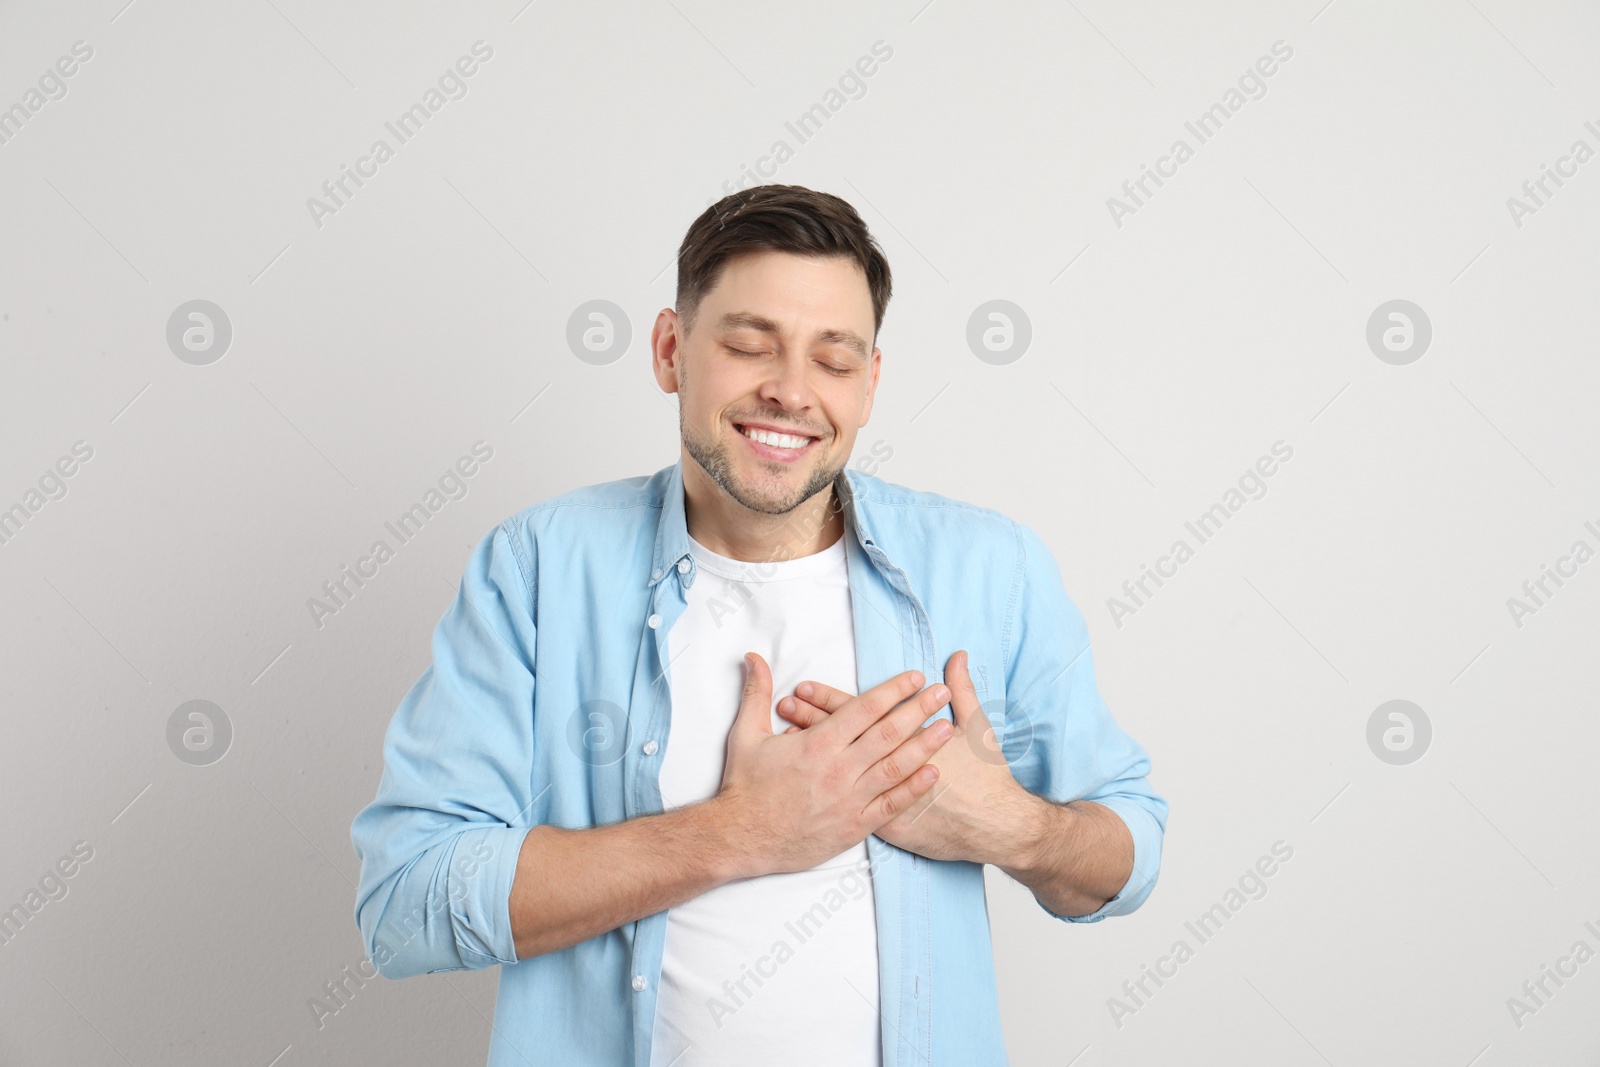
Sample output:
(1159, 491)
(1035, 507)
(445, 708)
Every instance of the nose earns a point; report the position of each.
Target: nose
(789, 384)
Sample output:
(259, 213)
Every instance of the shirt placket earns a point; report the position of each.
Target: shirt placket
(649, 720)
(893, 635)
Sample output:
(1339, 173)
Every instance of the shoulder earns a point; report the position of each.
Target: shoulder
(602, 503)
(900, 514)
(599, 517)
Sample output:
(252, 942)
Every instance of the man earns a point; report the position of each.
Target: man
(593, 787)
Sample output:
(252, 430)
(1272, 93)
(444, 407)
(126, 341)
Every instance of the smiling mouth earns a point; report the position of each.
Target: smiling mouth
(779, 443)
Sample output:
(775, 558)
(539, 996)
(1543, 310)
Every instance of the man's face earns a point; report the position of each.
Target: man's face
(783, 343)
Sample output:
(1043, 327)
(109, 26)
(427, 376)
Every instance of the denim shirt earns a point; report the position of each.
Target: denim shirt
(547, 702)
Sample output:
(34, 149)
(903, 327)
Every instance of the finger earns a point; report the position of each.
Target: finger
(823, 695)
(888, 736)
(851, 719)
(963, 694)
(900, 764)
(801, 712)
(755, 702)
(886, 805)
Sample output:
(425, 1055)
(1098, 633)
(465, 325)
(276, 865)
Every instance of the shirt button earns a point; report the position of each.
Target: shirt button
(650, 748)
(639, 982)
(654, 621)
(683, 566)
(655, 574)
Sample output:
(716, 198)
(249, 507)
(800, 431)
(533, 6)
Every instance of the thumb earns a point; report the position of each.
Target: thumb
(964, 704)
(755, 703)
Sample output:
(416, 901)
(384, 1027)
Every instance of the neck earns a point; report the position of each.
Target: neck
(730, 529)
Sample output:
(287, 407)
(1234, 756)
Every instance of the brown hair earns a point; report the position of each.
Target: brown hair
(784, 218)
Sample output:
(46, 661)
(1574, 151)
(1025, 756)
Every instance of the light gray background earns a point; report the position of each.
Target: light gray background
(1167, 355)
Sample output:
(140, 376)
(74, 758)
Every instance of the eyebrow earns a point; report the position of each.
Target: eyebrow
(744, 320)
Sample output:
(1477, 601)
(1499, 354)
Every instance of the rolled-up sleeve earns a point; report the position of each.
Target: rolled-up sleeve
(439, 844)
(1061, 739)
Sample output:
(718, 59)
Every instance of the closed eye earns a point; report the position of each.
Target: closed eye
(838, 371)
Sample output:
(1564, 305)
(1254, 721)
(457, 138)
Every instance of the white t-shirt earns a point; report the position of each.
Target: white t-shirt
(779, 970)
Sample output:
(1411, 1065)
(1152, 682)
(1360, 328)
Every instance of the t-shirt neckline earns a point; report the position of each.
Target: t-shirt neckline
(768, 570)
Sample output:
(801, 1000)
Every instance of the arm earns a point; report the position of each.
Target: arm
(1072, 816)
(439, 845)
(785, 804)
(449, 879)
(573, 884)
(1095, 849)
(453, 878)
(1075, 857)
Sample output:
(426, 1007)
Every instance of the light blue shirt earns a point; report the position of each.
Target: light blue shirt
(548, 703)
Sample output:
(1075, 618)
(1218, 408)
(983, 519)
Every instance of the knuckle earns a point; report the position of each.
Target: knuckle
(887, 731)
(833, 779)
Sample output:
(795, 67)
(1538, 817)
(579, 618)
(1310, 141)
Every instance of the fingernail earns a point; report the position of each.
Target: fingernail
(804, 689)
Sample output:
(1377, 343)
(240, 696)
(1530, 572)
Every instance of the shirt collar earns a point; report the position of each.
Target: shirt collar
(672, 529)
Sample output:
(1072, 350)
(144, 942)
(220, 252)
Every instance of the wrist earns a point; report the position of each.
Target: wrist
(733, 845)
(1026, 837)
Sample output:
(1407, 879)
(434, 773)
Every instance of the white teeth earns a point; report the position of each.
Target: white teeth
(777, 440)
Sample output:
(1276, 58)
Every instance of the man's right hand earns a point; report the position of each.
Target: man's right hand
(793, 800)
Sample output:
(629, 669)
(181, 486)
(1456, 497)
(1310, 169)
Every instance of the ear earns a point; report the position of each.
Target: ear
(666, 350)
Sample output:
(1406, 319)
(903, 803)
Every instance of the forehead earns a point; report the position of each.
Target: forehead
(789, 288)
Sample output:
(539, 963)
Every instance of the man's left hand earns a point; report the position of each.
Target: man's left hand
(976, 811)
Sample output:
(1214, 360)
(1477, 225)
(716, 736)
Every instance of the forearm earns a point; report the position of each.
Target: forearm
(571, 885)
(1074, 857)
